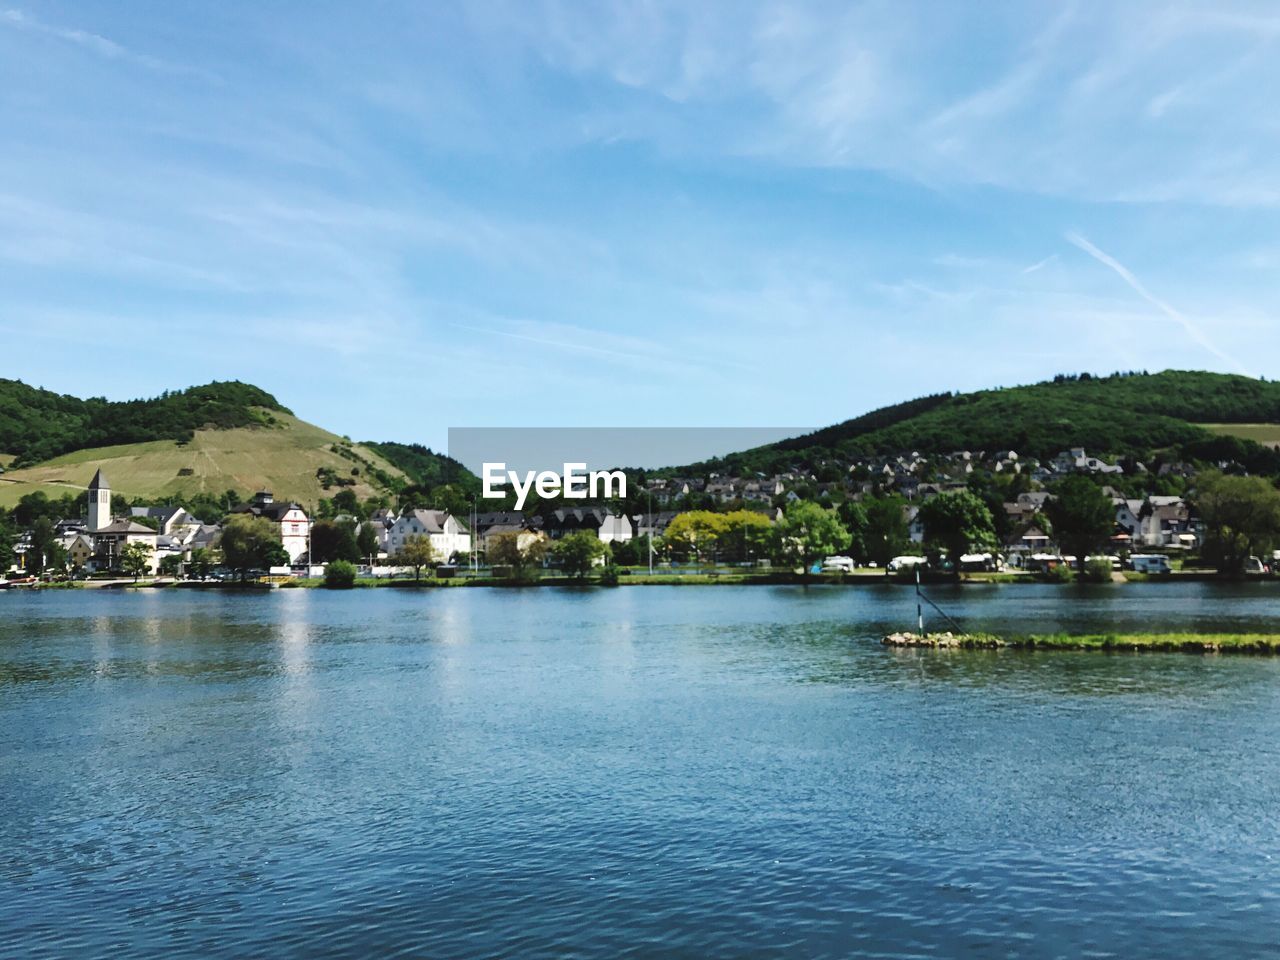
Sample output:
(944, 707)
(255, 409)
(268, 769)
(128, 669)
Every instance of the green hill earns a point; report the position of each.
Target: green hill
(202, 440)
(1118, 415)
(37, 425)
(423, 466)
(291, 458)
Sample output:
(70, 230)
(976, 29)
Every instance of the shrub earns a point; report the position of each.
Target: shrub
(1062, 573)
(609, 576)
(340, 575)
(1097, 570)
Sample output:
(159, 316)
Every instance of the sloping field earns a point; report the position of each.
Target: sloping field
(283, 459)
(1265, 433)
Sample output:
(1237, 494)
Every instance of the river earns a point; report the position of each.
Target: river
(640, 772)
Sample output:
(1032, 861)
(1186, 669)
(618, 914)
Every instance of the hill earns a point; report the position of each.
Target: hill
(1133, 414)
(37, 425)
(288, 456)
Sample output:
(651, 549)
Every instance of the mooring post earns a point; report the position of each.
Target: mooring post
(919, 605)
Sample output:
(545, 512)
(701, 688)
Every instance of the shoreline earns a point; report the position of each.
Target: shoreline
(711, 578)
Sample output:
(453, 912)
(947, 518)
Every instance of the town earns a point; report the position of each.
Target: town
(966, 512)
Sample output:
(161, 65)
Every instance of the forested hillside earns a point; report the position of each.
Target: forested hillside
(37, 425)
(1129, 414)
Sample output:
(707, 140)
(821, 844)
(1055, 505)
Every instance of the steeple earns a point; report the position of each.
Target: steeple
(99, 502)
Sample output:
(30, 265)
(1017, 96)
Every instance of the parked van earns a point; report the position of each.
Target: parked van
(1150, 563)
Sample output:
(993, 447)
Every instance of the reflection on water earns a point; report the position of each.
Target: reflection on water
(633, 772)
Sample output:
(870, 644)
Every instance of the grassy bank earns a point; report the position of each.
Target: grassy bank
(1254, 643)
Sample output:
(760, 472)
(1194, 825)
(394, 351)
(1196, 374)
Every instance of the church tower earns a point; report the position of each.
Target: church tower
(99, 502)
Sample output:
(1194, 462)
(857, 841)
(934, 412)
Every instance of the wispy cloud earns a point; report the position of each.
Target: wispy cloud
(1192, 328)
(100, 45)
(1040, 264)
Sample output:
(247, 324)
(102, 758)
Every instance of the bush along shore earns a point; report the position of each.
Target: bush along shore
(1251, 643)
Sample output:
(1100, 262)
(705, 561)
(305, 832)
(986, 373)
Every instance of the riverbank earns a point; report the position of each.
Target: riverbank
(1248, 643)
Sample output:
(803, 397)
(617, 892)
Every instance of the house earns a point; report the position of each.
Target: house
(291, 520)
(448, 535)
(1029, 538)
(525, 536)
(109, 543)
(1076, 460)
(915, 525)
(1167, 522)
(653, 524)
(615, 529)
(173, 521)
(1127, 515)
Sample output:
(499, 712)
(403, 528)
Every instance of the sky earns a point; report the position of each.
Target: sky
(405, 217)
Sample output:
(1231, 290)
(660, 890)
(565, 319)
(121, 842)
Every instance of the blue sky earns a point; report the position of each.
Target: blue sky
(402, 217)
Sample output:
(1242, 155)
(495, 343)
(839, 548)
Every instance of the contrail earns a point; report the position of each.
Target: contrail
(1193, 331)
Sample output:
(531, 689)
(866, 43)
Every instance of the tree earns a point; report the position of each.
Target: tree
(7, 538)
(42, 543)
(516, 549)
(1082, 516)
(201, 563)
(170, 565)
(957, 523)
(855, 519)
(577, 552)
(346, 501)
(333, 541)
(807, 533)
(367, 541)
(249, 543)
(887, 534)
(745, 535)
(695, 532)
(340, 575)
(1241, 517)
(135, 559)
(417, 552)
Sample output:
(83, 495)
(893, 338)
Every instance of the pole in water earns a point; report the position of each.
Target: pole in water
(919, 606)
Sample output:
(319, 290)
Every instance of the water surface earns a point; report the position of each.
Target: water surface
(643, 772)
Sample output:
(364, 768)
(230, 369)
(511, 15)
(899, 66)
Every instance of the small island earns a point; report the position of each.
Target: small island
(1252, 643)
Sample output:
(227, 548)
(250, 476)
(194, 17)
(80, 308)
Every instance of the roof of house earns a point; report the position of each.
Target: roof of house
(124, 526)
(432, 521)
(272, 511)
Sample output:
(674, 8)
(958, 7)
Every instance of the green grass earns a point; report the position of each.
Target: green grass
(1268, 433)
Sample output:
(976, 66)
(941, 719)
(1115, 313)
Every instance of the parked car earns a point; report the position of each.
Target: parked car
(1254, 565)
(837, 565)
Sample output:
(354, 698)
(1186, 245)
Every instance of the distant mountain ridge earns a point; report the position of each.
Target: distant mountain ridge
(1123, 414)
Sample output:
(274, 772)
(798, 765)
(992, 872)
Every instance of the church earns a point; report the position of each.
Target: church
(105, 536)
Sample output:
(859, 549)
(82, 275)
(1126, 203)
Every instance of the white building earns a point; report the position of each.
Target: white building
(292, 521)
(448, 535)
(99, 502)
